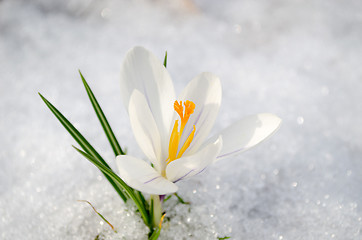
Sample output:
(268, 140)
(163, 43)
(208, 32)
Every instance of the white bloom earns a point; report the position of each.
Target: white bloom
(173, 134)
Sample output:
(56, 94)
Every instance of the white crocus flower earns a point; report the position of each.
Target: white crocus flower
(172, 132)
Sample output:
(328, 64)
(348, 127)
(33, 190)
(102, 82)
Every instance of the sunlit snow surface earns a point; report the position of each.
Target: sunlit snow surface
(298, 59)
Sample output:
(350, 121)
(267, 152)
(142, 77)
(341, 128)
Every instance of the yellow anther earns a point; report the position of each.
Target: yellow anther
(187, 143)
(176, 134)
(179, 108)
(174, 141)
(189, 108)
(160, 224)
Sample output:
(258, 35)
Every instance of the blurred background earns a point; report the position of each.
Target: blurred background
(298, 59)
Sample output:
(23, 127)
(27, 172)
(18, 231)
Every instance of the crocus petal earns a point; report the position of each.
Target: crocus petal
(141, 176)
(186, 167)
(142, 70)
(205, 91)
(144, 128)
(246, 133)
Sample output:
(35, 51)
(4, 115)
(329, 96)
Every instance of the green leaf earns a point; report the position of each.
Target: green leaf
(180, 199)
(116, 178)
(95, 210)
(142, 199)
(151, 211)
(223, 238)
(167, 198)
(103, 120)
(78, 137)
(155, 234)
(165, 60)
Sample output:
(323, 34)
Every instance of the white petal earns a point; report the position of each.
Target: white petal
(144, 128)
(141, 176)
(205, 91)
(142, 70)
(186, 167)
(246, 133)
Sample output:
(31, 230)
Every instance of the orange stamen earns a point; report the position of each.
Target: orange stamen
(187, 143)
(175, 137)
(174, 141)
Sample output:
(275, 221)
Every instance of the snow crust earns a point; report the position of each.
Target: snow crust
(298, 59)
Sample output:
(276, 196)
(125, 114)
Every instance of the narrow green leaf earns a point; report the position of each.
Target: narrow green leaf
(116, 178)
(167, 198)
(165, 60)
(95, 210)
(142, 199)
(180, 199)
(155, 234)
(78, 137)
(223, 238)
(151, 211)
(103, 120)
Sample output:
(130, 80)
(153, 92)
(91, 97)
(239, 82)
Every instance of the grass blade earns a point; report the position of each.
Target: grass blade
(165, 60)
(95, 210)
(180, 199)
(78, 137)
(167, 198)
(142, 198)
(116, 178)
(156, 233)
(105, 125)
(103, 120)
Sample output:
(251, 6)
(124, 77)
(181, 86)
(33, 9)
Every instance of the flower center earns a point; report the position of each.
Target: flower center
(184, 112)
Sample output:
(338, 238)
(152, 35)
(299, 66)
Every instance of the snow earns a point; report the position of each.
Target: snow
(297, 59)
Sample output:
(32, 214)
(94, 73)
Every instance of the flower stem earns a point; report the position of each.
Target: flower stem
(156, 210)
